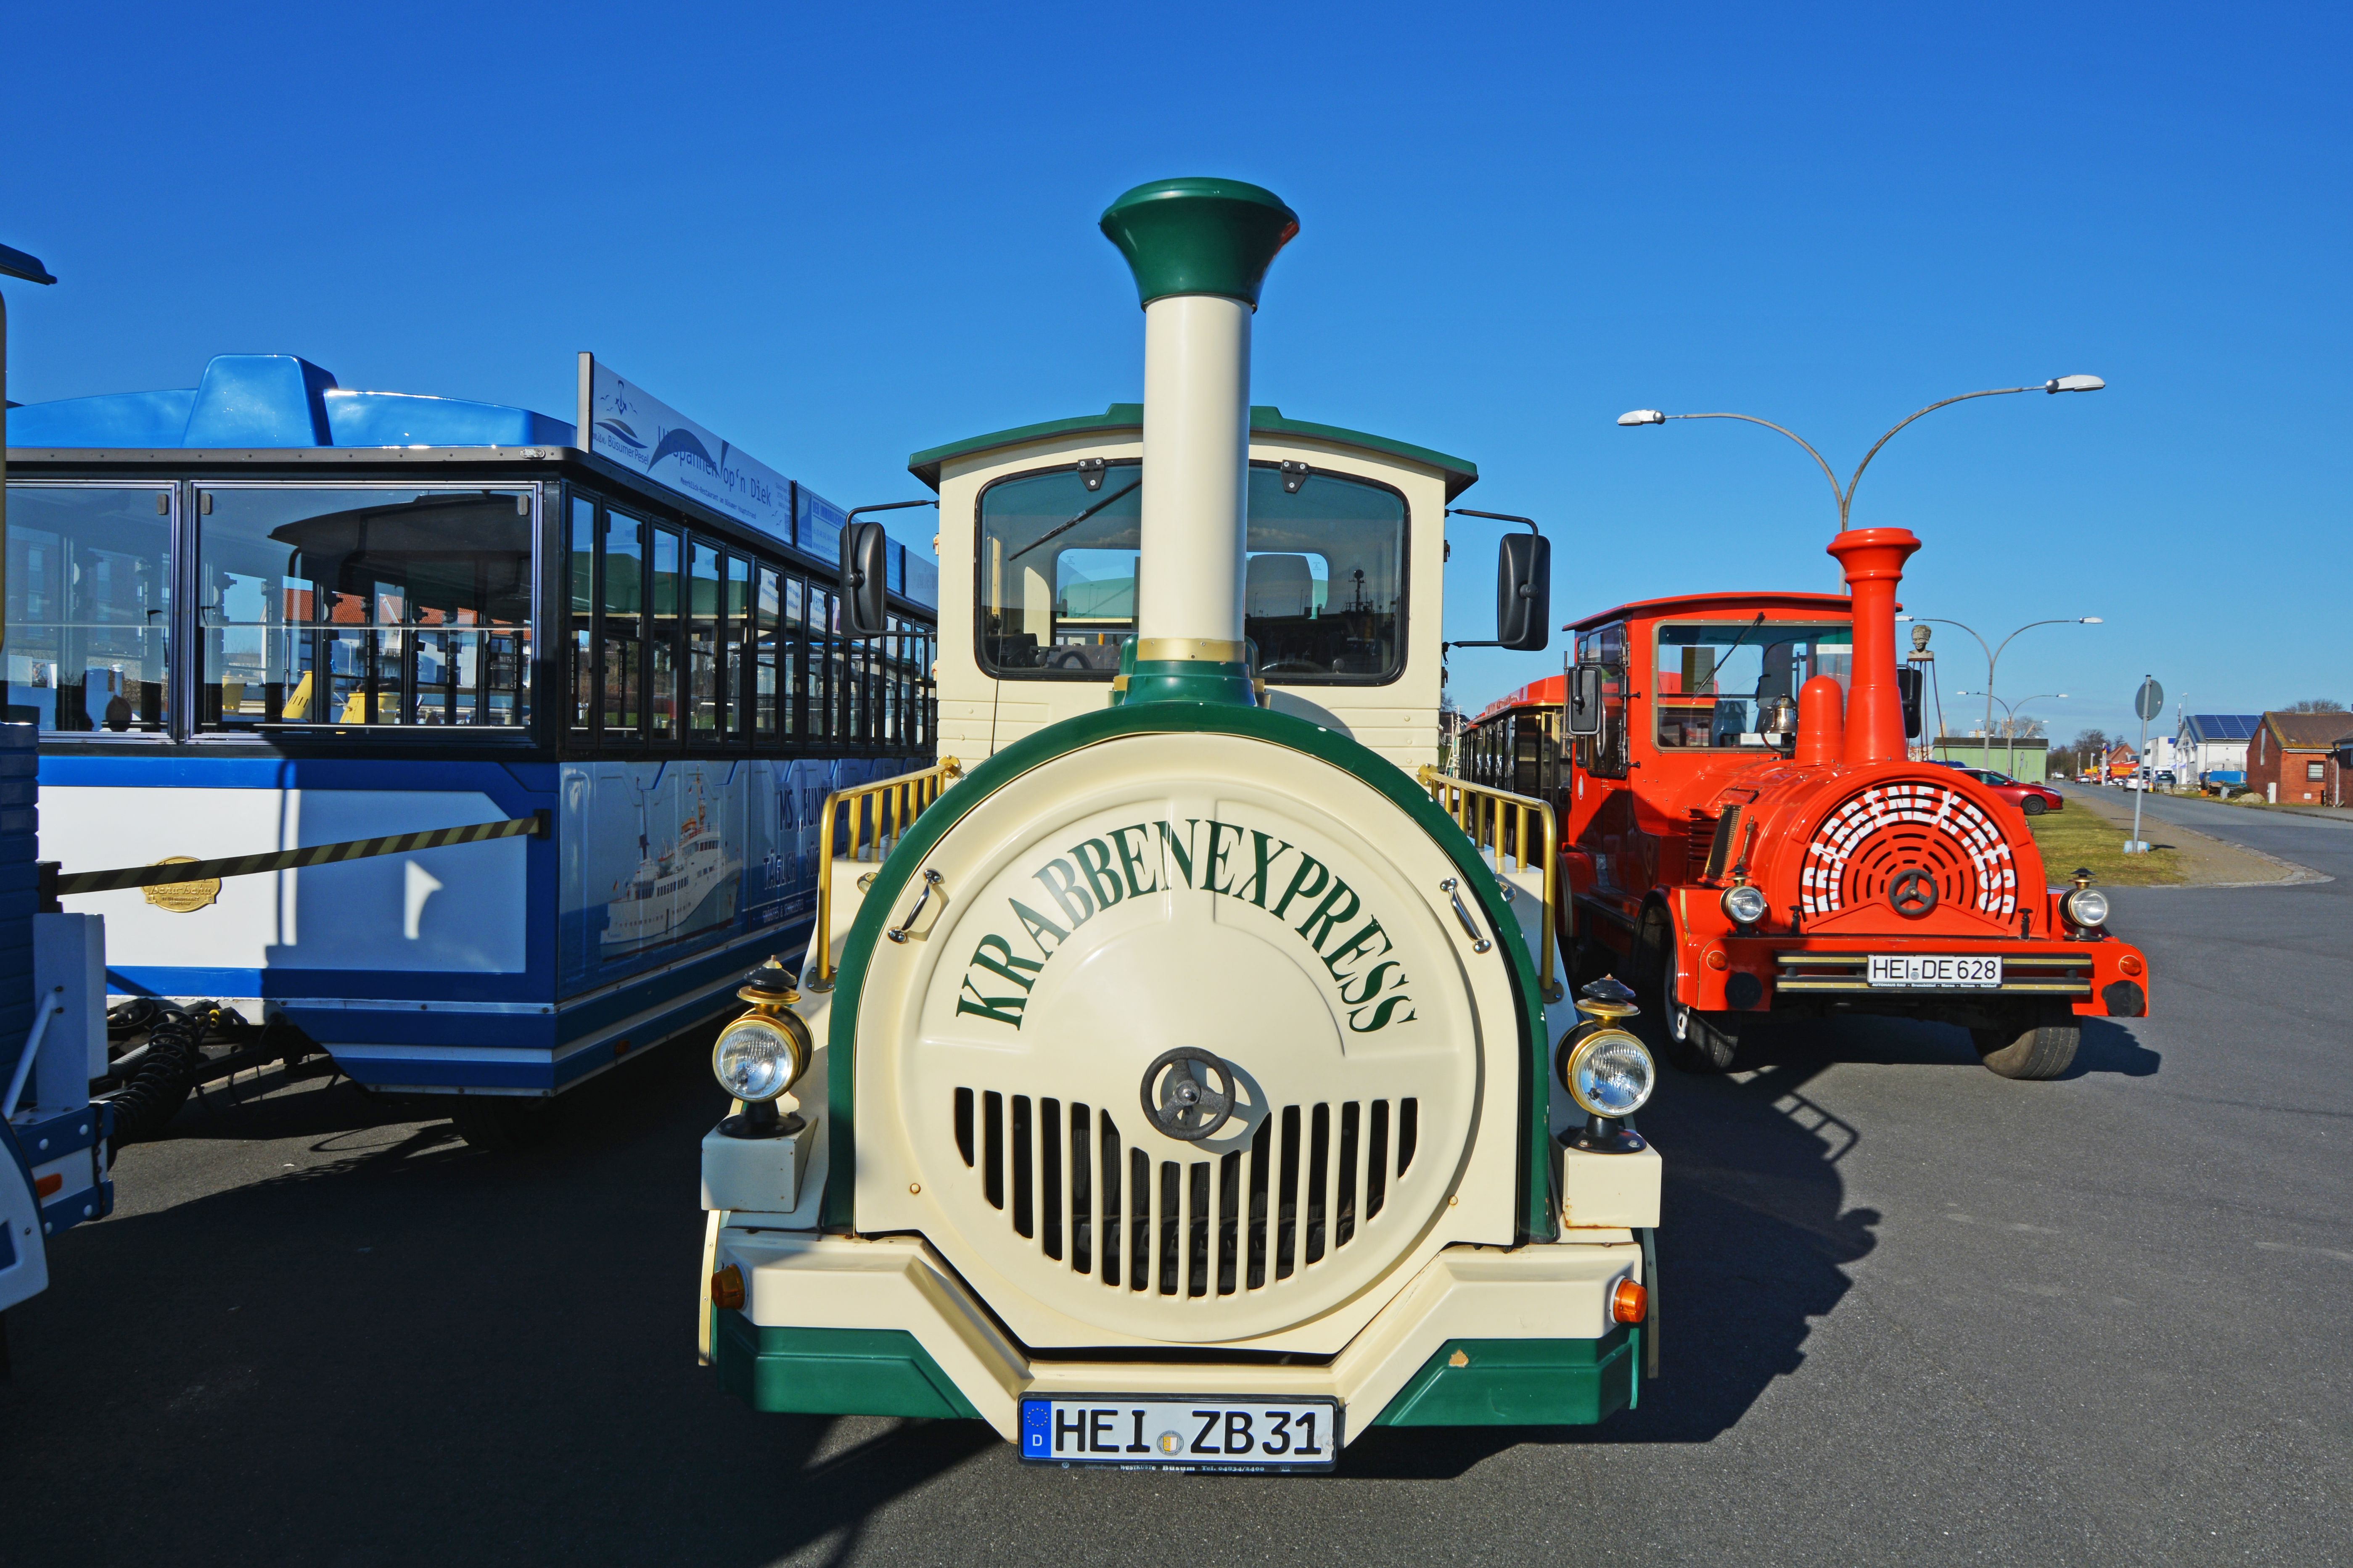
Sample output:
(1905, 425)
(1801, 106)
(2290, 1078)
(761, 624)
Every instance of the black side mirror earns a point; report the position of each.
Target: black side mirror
(865, 580)
(1584, 699)
(1524, 591)
(1907, 687)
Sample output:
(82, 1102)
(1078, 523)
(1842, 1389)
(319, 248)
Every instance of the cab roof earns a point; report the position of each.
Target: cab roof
(1265, 419)
(1770, 602)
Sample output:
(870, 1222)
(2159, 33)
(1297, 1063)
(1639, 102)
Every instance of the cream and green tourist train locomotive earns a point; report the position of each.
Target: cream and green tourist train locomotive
(1188, 1080)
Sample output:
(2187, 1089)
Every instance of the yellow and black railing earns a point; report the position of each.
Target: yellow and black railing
(55, 884)
(1510, 825)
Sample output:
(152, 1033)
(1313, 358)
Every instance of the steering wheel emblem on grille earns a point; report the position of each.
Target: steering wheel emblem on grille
(1177, 1099)
(1912, 893)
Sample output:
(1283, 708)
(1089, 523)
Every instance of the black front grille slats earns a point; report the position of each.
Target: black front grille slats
(1310, 1181)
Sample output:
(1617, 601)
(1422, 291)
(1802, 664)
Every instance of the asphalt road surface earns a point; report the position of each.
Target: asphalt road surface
(1913, 1312)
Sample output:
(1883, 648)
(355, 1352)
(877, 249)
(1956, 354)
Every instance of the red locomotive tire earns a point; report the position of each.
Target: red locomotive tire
(2037, 1046)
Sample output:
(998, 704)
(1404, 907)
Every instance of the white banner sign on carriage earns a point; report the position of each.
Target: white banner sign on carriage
(625, 423)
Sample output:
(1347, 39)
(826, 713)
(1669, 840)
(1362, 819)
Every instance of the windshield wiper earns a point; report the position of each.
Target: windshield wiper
(1061, 528)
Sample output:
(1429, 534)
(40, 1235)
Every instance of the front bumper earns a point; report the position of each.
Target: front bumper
(2105, 978)
(1481, 1336)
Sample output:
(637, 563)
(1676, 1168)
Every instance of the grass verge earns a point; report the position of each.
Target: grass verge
(2078, 838)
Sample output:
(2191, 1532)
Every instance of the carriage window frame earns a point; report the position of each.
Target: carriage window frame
(190, 623)
(1404, 634)
(169, 723)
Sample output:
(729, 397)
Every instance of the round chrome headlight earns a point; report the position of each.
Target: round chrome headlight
(1608, 1073)
(1743, 905)
(2086, 907)
(761, 1054)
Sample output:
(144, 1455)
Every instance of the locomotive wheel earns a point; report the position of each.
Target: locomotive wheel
(497, 1123)
(1696, 1041)
(2033, 1046)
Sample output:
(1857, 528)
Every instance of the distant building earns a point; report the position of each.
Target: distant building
(2024, 758)
(2211, 748)
(2298, 758)
(2122, 759)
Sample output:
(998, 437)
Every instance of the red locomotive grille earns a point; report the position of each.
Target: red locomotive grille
(1875, 836)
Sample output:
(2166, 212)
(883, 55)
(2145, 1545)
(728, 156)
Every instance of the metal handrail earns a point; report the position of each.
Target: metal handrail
(893, 803)
(1484, 813)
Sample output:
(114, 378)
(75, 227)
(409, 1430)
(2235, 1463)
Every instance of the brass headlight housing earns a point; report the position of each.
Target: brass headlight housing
(2087, 907)
(1744, 905)
(1608, 1071)
(761, 1054)
(764, 1053)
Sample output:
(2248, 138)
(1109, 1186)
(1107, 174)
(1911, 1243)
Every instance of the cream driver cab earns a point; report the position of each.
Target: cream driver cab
(1177, 1090)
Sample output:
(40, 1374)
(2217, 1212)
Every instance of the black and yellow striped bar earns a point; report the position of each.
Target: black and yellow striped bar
(537, 825)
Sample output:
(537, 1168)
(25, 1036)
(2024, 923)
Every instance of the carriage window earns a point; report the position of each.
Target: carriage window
(792, 677)
(581, 546)
(1733, 684)
(89, 607)
(764, 607)
(1323, 587)
(662, 635)
(625, 606)
(363, 607)
(705, 631)
(736, 611)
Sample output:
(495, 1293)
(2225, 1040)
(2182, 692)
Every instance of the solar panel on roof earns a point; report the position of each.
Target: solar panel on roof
(2226, 726)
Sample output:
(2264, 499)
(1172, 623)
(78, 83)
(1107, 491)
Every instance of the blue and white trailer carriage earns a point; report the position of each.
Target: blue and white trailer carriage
(268, 613)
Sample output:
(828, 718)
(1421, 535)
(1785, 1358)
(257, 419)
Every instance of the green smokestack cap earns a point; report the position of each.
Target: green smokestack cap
(1200, 237)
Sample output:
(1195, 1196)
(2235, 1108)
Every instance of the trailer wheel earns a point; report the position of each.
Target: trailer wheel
(2033, 1046)
(1696, 1041)
(496, 1123)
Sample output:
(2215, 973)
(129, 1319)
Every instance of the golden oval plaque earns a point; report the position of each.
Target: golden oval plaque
(181, 898)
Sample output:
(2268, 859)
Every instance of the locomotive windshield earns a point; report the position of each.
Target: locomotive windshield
(1724, 685)
(1323, 593)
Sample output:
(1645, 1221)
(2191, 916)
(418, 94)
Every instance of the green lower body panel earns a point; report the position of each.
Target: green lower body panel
(1519, 1383)
(831, 1372)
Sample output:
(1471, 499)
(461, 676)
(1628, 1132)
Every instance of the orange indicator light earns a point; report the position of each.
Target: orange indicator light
(1629, 1302)
(2129, 963)
(1715, 959)
(43, 1186)
(727, 1289)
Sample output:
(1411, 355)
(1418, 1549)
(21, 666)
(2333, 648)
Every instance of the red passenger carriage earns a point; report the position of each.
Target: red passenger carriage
(1743, 829)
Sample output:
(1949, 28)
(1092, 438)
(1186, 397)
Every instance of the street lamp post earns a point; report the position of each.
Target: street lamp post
(1993, 654)
(2010, 722)
(1844, 497)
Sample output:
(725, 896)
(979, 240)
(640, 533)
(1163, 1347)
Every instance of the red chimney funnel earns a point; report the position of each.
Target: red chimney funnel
(1873, 559)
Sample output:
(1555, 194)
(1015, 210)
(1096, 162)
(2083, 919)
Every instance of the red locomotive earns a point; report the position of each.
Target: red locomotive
(1742, 829)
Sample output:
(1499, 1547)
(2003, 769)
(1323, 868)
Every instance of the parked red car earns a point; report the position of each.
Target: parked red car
(2033, 799)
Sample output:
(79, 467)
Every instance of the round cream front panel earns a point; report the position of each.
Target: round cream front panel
(1140, 895)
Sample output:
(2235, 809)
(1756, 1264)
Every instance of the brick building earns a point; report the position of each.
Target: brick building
(2299, 758)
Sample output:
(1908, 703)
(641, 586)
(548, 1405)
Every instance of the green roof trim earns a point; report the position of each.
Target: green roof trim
(1265, 420)
(1199, 235)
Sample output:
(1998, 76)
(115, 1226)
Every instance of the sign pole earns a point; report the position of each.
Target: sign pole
(2148, 702)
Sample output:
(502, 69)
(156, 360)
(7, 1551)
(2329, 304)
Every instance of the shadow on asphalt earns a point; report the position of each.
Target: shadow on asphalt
(411, 1351)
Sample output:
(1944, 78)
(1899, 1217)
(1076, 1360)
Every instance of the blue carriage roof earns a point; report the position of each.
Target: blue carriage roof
(276, 401)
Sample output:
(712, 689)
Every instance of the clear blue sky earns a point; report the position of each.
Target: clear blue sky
(838, 234)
